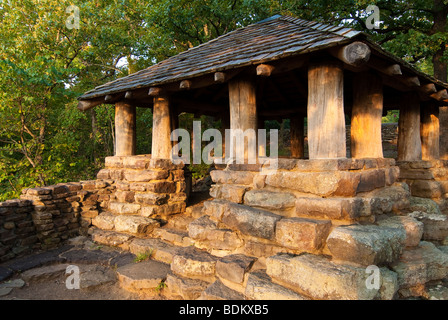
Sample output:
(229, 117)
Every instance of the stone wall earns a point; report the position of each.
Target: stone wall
(44, 217)
(295, 208)
(147, 187)
(427, 179)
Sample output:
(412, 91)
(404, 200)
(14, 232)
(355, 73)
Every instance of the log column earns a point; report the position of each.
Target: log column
(297, 136)
(125, 133)
(326, 120)
(429, 131)
(409, 142)
(243, 109)
(161, 128)
(367, 112)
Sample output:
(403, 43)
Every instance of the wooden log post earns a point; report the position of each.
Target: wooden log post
(367, 110)
(161, 128)
(429, 131)
(125, 129)
(297, 126)
(443, 122)
(409, 142)
(326, 120)
(243, 113)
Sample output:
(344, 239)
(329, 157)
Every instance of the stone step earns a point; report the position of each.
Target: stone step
(420, 265)
(206, 234)
(132, 224)
(185, 288)
(195, 211)
(145, 275)
(435, 225)
(190, 262)
(179, 222)
(111, 238)
(366, 244)
(158, 249)
(317, 277)
(218, 291)
(174, 236)
(260, 287)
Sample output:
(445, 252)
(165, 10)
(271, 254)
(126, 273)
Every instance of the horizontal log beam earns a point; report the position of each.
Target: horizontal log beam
(354, 54)
(411, 81)
(84, 105)
(428, 88)
(185, 85)
(440, 95)
(154, 91)
(265, 70)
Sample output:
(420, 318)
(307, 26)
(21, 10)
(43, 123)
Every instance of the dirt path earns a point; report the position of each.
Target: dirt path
(44, 275)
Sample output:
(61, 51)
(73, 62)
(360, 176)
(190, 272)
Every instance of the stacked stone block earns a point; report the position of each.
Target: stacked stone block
(315, 226)
(147, 192)
(427, 179)
(17, 231)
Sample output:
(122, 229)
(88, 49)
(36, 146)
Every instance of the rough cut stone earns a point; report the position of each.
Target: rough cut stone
(366, 244)
(435, 225)
(163, 209)
(145, 175)
(331, 208)
(124, 196)
(336, 183)
(320, 278)
(424, 205)
(159, 249)
(188, 289)
(112, 238)
(426, 189)
(371, 179)
(142, 275)
(124, 208)
(260, 287)
(161, 187)
(421, 264)
(269, 200)
(233, 267)
(193, 263)
(302, 234)
(177, 237)
(207, 233)
(233, 193)
(215, 208)
(412, 227)
(232, 177)
(151, 198)
(135, 224)
(250, 221)
(104, 221)
(218, 291)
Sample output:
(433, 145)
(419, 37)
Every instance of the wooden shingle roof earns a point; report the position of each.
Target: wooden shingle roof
(272, 39)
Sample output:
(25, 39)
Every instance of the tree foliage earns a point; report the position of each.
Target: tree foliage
(45, 66)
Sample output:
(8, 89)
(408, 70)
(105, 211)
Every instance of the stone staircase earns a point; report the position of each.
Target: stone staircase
(209, 252)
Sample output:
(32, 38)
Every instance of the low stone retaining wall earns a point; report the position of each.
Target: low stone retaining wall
(45, 216)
